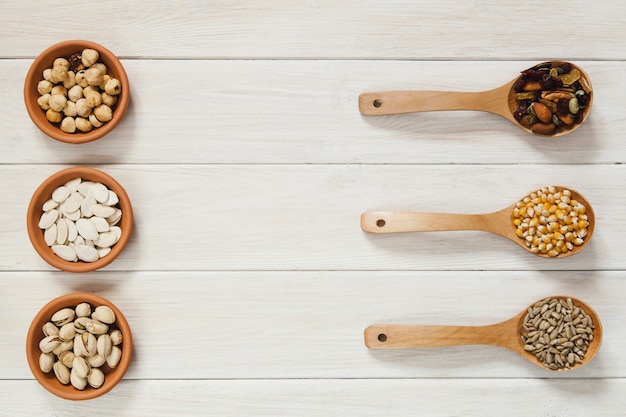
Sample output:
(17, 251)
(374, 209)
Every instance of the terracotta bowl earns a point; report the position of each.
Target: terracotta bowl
(45, 60)
(49, 380)
(44, 193)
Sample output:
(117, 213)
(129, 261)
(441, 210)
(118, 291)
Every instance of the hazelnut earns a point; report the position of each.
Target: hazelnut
(89, 57)
(82, 108)
(100, 66)
(59, 89)
(70, 81)
(94, 99)
(93, 76)
(113, 87)
(75, 93)
(57, 102)
(53, 116)
(58, 74)
(108, 99)
(61, 62)
(44, 86)
(70, 109)
(43, 101)
(68, 125)
(103, 113)
(47, 74)
(83, 124)
(94, 120)
(80, 79)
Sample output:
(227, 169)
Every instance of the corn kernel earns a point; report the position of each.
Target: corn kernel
(517, 222)
(519, 232)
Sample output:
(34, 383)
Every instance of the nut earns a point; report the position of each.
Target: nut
(543, 128)
(542, 112)
(78, 87)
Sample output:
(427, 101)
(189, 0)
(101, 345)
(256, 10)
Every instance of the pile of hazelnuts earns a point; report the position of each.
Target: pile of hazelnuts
(77, 93)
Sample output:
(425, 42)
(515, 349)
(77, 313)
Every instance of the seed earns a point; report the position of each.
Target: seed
(559, 339)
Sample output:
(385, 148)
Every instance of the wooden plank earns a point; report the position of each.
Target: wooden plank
(480, 30)
(299, 217)
(260, 325)
(364, 398)
(306, 112)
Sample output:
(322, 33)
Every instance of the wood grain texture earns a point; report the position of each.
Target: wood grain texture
(307, 217)
(428, 29)
(365, 398)
(248, 281)
(267, 325)
(286, 111)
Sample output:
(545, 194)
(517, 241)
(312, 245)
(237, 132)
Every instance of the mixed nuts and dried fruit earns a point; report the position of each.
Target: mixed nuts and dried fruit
(77, 93)
(551, 221)
(557, 332)
(551, 98)
(78, 342)
(80, 221)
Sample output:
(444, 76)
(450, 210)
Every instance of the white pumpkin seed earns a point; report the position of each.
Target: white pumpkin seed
(87, 229)
(65, 252)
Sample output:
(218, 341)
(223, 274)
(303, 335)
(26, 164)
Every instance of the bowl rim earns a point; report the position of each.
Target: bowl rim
(48, 381)
(35, 234)
(33, 76)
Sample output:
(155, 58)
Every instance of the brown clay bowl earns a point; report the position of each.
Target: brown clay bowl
(43, 194)
(45, 60)
(49, 380)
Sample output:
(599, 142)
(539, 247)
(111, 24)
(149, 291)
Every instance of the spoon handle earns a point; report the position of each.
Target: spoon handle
(411, 101)
(396, 336)
(404, 221)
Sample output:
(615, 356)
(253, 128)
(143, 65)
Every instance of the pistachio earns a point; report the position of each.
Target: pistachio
(87, 344)
(49, 343)
(96, 361)
(97, 328)
(104, 314)
(46, 361)
(67, 358)
(64, 346)
(104, 345)
(116, 337)
(67, 332)
(114, 357)
(96, 378)
(83, 310)
(49, 329)
(78, 382)
(80, 324)
(81, 367)
(63, 316)
(62, 373)
(76, 350)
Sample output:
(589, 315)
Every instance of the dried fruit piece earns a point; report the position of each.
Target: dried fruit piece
(570, 77)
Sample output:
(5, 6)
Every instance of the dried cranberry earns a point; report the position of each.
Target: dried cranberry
(566, 67)
(522, 109)
(562, 107)
(549, 82)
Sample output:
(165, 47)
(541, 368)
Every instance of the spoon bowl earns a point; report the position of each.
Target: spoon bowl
(502, 101)
(507, 334)
(500, 222)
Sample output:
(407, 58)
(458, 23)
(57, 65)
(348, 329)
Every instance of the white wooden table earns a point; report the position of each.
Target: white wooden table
(248, 281)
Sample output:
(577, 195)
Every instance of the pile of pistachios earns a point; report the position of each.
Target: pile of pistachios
(78, 342)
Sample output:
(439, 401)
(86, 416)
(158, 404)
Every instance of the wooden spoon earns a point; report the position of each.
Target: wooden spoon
(500, 101)
(499, 222)
(506, 334)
